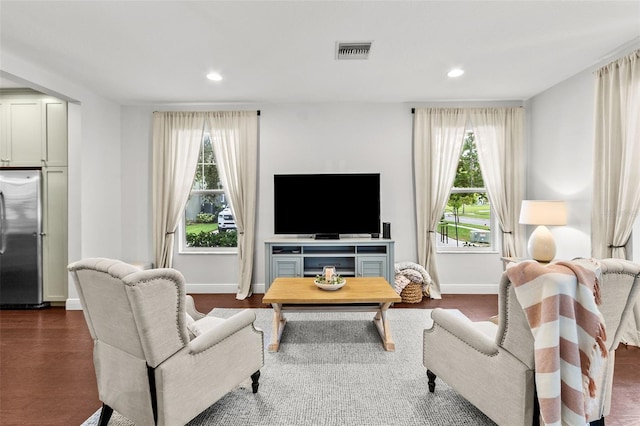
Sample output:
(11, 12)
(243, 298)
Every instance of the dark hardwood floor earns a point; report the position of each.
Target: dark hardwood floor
(47, 375)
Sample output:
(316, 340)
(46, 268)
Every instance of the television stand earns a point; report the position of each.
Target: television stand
(327, 236)
(306, 257)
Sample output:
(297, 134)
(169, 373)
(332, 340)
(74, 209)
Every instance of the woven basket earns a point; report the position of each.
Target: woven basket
(412, 293)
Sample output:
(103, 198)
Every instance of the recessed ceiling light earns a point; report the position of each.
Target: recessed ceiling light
(456, 72)
(214, 76)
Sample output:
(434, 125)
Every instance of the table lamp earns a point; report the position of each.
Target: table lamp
(543, 213)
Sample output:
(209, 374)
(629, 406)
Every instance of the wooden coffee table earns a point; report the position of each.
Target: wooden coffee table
(362, 294)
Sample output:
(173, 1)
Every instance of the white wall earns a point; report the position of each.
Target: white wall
(560, 158)
(635, 244)
(135, 161)
(101, 174)
(341, 138)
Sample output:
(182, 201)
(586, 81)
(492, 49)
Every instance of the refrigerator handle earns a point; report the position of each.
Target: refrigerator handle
(3, 224)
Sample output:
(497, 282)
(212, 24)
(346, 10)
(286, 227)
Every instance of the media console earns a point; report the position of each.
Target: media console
(305, 257)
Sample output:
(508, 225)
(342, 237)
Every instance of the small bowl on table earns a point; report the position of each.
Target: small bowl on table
(330, 286)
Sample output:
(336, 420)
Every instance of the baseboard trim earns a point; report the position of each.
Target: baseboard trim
(469, 288)
(73, 305)
(219, 288)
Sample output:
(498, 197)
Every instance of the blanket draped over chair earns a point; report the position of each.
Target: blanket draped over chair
(560, 302)
(409, 272)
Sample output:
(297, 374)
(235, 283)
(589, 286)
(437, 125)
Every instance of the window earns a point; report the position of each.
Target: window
(208, 221)
(467, 220)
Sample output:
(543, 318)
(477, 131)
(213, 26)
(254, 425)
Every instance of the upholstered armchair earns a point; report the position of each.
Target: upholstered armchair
(158, 360)
(492, 365)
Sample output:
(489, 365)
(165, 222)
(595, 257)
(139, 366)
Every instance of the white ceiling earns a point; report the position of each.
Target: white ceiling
(141, 52)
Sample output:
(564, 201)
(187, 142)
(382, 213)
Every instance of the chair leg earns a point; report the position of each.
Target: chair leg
(536, 408)
(154, 396)
(432, 381)
(254, 379)
(105, 415)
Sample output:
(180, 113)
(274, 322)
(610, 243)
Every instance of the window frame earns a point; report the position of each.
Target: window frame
(493, 222)
(183, 248)
(491, 248)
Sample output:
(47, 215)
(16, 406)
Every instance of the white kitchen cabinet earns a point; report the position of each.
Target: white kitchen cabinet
(55, 231)
(33, 130)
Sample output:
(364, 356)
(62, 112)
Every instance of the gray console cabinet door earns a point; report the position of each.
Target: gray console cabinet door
(287, 266)
(372, 266)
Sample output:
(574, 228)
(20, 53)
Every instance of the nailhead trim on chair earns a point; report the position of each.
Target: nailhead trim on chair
(429, 330)
(507, 314)
(180, 297)
(176, 283)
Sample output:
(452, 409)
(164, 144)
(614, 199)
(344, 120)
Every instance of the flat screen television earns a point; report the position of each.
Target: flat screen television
(327, 205)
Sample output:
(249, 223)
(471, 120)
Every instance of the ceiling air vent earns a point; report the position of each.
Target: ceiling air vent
(353, 50)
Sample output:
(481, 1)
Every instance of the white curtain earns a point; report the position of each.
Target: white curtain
(176, 144)
(234, 135)
(616, 197)
(499, 136)
(438, 134)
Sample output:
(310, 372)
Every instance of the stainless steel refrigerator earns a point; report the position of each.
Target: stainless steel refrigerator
(20, 239)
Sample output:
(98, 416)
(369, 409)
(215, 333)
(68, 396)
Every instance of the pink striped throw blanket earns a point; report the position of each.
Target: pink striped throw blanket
(560, 302)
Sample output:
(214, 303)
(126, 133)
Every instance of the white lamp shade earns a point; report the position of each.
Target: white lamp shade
(543, 212)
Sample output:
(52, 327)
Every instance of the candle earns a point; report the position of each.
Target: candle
(328, 273)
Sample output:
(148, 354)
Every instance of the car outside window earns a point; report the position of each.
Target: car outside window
(208, 223)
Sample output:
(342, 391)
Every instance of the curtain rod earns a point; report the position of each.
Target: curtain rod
(413, 110)
(258, 111)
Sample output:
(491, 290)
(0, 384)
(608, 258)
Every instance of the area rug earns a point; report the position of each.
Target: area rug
(331, 369)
